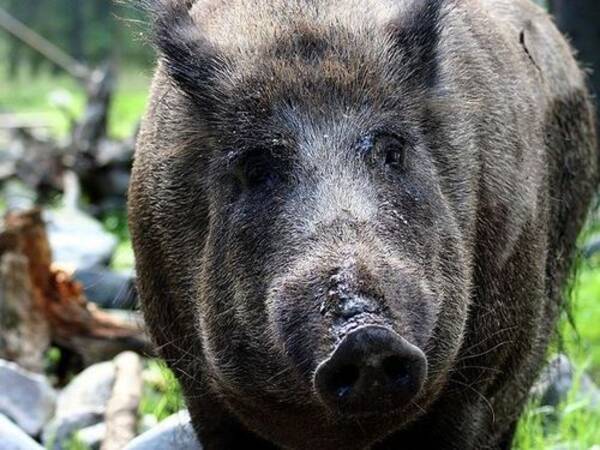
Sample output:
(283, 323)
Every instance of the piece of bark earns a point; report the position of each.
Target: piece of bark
(25, 333)
(95, 334)
(122, 409)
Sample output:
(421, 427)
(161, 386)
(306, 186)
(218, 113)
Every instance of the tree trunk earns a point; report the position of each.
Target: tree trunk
(77, 30)
(580, 21)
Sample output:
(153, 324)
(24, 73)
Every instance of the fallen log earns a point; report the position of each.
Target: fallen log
(45, 305)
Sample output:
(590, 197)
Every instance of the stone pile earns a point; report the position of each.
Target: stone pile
(35, 416)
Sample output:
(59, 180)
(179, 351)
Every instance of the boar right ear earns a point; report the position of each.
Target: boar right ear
(189, 58)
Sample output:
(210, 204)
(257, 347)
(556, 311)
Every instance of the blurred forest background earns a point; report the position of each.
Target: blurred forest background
(67, 124)
(93, 32)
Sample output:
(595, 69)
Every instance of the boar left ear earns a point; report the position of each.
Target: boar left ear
(189, 58)
(416, 34)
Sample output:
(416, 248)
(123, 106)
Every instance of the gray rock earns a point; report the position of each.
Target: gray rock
(146, 423)
(13, 438)
(88, 391)
(8, 160)
(81, 404)
(18, 195)
(93, 436)
(27, 398)
(77, 239)
(557, 380)
(173, 433)
(60, 430)
(108, 289)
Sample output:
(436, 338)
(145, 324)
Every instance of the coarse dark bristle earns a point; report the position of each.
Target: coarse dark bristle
(187, 55)
(191, 60)
(418, 34)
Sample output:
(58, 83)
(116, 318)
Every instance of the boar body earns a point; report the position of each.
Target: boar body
(353, 220)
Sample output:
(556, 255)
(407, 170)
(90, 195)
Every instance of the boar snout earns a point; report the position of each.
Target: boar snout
(373, 369)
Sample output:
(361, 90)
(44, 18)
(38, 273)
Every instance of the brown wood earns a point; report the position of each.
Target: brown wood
(45, 305)
(122, 410)
(25, 333)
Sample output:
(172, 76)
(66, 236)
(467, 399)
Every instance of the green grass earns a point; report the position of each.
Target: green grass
(583, 342)
(116, 223)
(59, 99)
(162, 394)
(573, 424)
(129, 103)
(73, 443)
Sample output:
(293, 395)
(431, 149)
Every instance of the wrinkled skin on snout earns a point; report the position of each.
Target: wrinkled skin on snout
(343, 216)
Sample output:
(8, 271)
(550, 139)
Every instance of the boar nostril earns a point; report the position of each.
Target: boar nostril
(396, 369)
(372, 370)
(344, 379)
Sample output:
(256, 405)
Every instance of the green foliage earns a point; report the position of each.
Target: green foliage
(162, 394)
(91, 31)
(116, 223)
(73, 443)
(583, 342)
(52, 359)
(573, 424)
(123, 259)
(129, 102)
(60, 99)
(56, 99)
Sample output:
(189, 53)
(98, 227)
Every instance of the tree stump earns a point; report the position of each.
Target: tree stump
(40, 305)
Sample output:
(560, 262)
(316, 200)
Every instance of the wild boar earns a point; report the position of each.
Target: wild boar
(353, 219)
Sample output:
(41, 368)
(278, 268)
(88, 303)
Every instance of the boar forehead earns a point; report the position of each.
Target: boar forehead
(321, 78)
(310, 53)
(238, 24)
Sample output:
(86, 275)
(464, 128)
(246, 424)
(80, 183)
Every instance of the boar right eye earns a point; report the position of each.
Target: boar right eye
(389, 151)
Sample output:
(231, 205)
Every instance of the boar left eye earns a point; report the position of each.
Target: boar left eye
(256, 171)
(389, 150)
